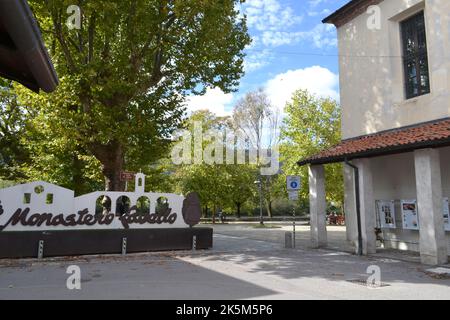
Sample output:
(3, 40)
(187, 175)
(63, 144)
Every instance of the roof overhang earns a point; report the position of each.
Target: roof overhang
(350, 11)
(23, 56)
(434, 134)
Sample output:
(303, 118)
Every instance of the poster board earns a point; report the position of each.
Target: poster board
(446, 214)
(410, 214)
(386, 212)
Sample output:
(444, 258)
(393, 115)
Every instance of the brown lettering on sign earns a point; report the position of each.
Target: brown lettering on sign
(15, 219)
(22, 217)
(133, 217)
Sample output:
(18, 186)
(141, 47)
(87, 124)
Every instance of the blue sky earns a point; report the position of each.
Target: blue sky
(291, 50)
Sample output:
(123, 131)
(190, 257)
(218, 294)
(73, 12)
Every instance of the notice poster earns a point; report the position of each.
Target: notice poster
(386, 212)
(410, 214)
(446, 214)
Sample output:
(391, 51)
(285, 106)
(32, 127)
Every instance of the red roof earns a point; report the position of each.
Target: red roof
(406, 139)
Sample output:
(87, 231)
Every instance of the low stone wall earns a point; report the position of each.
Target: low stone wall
(88, 242)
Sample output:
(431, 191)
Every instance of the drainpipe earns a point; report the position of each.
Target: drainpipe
(358, 206)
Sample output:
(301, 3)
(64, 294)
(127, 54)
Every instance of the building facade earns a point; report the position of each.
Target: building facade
(394, 58)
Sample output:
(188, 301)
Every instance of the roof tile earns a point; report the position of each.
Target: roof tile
(379, 143)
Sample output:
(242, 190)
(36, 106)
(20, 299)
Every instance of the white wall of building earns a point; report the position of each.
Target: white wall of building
(371, 69)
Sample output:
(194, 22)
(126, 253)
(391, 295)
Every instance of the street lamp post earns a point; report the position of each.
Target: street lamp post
(261, 218)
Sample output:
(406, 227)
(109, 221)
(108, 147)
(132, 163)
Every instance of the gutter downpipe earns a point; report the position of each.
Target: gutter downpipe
(358, 206)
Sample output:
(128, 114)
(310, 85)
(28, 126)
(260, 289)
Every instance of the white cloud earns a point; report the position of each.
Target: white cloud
(320, 36)
(323, 13)
(265, 15)
(257, 60)
(273, 24)
(214, 100)
(316, 3)
(317, 80)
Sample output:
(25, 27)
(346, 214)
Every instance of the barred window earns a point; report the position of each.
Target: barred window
(415, 56)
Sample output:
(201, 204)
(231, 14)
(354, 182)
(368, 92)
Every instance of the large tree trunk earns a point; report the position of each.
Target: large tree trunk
(79, 186)
(112, 158)
(238, 210)
(269, 208)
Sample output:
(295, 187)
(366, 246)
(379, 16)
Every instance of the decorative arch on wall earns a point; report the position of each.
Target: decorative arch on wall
(123, 205)
(103, 205)
(162, 205)
(143, 205)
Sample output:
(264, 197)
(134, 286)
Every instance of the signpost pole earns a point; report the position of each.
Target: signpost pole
(293, 234)
(293, 187)
(261, 219)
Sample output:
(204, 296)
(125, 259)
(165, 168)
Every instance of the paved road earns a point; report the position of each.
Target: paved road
(238, 268)
(336, 235)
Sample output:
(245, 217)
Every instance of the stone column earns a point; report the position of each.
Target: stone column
(350, 204)
(433, 244)
(318, 206)
(368, 217)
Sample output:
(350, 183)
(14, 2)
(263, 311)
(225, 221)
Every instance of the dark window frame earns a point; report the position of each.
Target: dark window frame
(415, 56)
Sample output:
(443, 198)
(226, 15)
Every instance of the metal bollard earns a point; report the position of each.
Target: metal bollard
(124, 246)
(288, 240)
(194, 243)
(41, 249)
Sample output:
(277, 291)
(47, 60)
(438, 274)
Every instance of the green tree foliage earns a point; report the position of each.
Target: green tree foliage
(205, 179)
(53, 154)
(240, 186)
(218, 185)
(312, 124)
(255, 119)
(124, 75)
(12, 126)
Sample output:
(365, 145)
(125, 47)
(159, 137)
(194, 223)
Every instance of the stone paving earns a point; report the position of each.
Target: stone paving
(336, 234)
(337, 239)
(246, 263)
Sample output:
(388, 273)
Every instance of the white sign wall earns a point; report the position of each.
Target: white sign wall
(40, 206)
